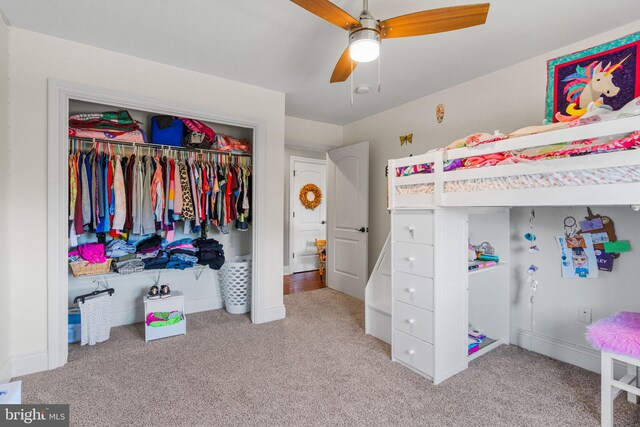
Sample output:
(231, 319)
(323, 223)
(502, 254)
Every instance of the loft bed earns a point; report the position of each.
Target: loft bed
(592, 161)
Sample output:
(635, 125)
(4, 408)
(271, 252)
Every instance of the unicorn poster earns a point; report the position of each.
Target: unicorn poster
(608, 74)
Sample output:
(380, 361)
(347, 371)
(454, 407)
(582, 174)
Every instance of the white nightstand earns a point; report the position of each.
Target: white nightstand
(172, 303)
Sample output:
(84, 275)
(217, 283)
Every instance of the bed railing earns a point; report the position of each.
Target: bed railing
(430, 189)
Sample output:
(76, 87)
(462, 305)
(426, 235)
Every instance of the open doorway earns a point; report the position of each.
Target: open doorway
(305, 219)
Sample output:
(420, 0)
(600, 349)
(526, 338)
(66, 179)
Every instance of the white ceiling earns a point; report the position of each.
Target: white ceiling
(278, 45)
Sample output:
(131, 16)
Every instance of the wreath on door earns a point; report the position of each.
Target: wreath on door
(310, 196)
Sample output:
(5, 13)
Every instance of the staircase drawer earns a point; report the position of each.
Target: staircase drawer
(414, 290)
(413, 227)
(413, 259)
(414, 321)
(413, 352)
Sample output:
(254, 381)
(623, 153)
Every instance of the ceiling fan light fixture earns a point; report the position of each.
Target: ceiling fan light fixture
(364, 40)
(364, 50)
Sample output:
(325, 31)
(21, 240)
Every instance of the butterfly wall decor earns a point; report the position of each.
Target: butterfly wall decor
(406, 139)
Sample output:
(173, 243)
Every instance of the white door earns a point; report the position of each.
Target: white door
(307, 225)
(348, 219)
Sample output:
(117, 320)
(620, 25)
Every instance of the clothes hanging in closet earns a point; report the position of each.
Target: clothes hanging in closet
(118, 194)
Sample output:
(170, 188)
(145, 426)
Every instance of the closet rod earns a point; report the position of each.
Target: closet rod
(152, 145)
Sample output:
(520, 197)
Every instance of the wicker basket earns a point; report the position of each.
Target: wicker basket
(83, 268)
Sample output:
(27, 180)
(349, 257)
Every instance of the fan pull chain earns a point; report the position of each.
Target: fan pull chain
(379, 56)
(352, 76)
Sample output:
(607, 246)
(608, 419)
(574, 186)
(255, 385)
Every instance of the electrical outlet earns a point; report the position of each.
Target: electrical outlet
(584, 314)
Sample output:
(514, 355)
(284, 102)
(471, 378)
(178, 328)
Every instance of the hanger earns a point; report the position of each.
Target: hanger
(110, 291)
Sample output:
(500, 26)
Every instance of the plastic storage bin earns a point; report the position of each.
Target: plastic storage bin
(235, 284)
(74, 327)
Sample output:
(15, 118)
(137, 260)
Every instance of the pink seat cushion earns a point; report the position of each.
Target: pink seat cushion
(617, 334)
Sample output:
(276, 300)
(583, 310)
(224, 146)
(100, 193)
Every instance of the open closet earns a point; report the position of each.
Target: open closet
(196, 219)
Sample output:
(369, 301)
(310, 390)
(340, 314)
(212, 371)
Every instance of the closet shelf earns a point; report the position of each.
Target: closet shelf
(161, 146)
(198, 269)
(485, 269)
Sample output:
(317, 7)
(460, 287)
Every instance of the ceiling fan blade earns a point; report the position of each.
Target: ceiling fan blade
(329, 12)
(343, 68)
(435, 21)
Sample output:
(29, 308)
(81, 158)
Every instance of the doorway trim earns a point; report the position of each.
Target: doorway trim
(59, 94)
(292, 198)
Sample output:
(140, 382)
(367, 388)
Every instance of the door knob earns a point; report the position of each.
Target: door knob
(361, 229)
(323, 222)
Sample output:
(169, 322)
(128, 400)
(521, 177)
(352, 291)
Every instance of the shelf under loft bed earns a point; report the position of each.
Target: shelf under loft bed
(485, 346)
(487, 269)
(150, 145)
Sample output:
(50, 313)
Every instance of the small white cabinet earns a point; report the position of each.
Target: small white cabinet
(173, 303)
(432, 305)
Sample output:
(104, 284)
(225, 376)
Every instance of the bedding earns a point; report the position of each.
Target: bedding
(556, 151)
(602, 176)
(596, 113)
(134, 136)
(576, 148)
(414, 169)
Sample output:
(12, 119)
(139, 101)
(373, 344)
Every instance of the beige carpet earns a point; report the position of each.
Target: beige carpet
(316, 367)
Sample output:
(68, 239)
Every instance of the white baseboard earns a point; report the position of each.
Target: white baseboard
(5, 372)
(271, 314)
(583, 357)
(29, 363)
(196, 305)
(134, 313)
(286, 270)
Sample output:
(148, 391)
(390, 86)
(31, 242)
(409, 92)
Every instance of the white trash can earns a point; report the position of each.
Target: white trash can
(235, 284)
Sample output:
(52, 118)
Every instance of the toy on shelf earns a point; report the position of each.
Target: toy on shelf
(482, 256)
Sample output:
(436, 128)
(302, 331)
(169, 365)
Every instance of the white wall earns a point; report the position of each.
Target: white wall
(507, 100)
(288, 152)
(5, 273)
(34, 59)
(303, 133)
(557, 330)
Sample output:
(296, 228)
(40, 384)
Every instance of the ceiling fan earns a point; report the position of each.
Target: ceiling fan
(366, 32)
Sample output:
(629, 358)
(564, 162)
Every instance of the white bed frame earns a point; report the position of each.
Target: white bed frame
(425, 309)
(607, 194)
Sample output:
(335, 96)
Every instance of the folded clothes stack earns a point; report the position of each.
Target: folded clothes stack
(181, 261)
(129, 266)
(150, 245)
(118, 126)
(182, 246)
(210, 252)
(119, 248)
(157, 263)
(152, 253)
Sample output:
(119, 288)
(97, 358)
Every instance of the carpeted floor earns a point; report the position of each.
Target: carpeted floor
(316, 367)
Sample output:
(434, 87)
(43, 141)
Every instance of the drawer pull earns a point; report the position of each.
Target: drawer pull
(411, 259)
(411, 321)
(411, 290)
(410, 352)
